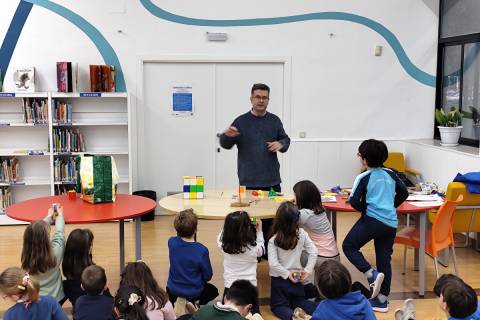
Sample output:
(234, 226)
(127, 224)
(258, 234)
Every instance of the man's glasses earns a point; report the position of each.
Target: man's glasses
(261, 98)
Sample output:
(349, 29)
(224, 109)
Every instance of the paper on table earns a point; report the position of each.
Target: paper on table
(329, 199)
(424, 197)
(427, 203)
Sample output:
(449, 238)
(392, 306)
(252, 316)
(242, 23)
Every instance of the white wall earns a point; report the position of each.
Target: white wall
(339, 89)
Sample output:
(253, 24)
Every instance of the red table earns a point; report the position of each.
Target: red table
(78, 211)
(406, 207)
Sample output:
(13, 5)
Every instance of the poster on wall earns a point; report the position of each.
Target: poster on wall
(182, 100)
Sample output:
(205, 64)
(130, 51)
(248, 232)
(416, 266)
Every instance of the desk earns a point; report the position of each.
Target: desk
(78, 211)
(406, 207)
(216, 205)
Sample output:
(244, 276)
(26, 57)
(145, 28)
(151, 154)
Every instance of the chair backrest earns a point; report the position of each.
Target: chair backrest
(442, 234)
(396, 161)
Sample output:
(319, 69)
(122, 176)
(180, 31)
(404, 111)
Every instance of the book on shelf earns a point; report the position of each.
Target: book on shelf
(62, 112)
(9, 170)
(68, 140)
(24, 79)
(35, 111)
(65, 170)
(67, 76)
(6, 198)
(102, 78)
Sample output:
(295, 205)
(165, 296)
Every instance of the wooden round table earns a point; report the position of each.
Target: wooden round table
(78, 211)
(216, 204)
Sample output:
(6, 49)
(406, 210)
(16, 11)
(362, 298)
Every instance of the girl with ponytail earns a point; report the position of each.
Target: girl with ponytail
(129, 304)
(18, 286)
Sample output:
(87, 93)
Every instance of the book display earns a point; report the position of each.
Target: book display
(102, 78)
(42, 133)
(24, 79)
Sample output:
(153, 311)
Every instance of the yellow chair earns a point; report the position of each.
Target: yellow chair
(466, 215)
(396, 160)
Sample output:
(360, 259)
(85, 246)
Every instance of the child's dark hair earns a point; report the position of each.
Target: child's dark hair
(242, 293)
(138, 274)
(77, 253)
(308, 196)
(15, 281)
(37, 255)
(460, 298)
(238, 233)
(94, 280)
(128, 302)
(375, 152)
(260, 86)
(186, 223)
(334, 280)
(444, 280)
(285, 226)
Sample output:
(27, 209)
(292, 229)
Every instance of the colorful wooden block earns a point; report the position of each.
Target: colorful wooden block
(193, 187)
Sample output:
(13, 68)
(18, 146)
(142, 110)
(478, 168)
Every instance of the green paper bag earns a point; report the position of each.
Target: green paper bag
(97, 178)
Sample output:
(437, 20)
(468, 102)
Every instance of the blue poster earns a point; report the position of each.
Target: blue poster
(182, 100)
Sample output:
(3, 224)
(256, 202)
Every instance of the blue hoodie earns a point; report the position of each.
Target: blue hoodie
(475, 316)
(352, 306)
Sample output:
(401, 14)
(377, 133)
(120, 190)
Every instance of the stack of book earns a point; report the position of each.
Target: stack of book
(62, 112)
(35, 111)
(6, 199)
(63, 189)
(65, 170)
(68, 140)
(67, 77)
(102, 78)
(9, 170)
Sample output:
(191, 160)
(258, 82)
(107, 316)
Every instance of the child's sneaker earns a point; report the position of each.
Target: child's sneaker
(379, 306)
(179, 307)
(399, 314)
(375, 283)
(300, 314)
(408, 310)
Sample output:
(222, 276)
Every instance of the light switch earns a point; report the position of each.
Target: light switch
(378, 51)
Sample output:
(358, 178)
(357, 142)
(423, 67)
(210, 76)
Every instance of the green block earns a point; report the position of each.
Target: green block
(200, 188)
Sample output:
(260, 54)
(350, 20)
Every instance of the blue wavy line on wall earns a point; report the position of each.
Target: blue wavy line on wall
(13, 34)
(105, 49)
(405, 62)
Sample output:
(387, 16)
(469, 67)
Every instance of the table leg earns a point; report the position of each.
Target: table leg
(138, 238)
(416, 250)
(332, 216)
(122, 244)
(421, 255)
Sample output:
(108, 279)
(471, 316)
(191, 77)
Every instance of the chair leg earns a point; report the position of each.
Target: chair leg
(436, 267)
(467, 237)
(404, 260)
(454, 260)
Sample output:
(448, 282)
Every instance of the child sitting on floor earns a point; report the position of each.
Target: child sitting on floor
(190, 267)
(94, 305)
(41, 257)
(242, 243)
(17, 285)
(157, 305)
(286, 272)
(334, 282)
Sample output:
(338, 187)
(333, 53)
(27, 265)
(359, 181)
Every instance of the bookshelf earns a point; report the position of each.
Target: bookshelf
(103, 120)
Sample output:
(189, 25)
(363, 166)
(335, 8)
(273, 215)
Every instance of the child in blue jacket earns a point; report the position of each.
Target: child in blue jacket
(376, 194)
(334, 283)
(190, 267)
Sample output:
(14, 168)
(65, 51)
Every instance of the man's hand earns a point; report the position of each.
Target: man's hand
(274, 146)
(231, 132)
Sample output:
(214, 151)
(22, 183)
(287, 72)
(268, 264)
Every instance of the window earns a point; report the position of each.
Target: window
(458, 70)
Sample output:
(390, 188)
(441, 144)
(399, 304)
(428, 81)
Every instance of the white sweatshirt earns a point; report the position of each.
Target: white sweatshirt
(282, 262)
(242, 266)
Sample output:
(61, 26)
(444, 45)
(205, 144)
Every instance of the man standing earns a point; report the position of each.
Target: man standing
(258, 135)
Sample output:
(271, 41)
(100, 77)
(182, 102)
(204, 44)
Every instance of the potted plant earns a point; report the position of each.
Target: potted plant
(449, 126)
(476, 121)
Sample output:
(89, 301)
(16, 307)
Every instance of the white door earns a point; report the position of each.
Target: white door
(176, 146)
(232, 98)
(171, 147)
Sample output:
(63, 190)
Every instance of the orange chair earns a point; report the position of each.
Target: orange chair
(439, 237)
